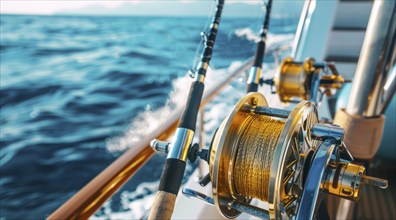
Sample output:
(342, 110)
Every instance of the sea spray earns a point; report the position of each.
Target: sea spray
(150, 120)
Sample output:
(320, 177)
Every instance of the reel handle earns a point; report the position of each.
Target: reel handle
(374, 181)
(260, 213)
(194, 194)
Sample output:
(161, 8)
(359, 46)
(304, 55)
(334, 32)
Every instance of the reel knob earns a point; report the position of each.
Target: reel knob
(345, 181)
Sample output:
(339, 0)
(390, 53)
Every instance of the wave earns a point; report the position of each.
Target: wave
(50, 52)
(149, 120)
(272, 39)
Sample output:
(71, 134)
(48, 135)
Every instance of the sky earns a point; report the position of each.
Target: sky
(50, 7)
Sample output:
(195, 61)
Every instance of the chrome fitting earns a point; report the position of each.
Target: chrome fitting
(324, 131)
(201, 77)
(202, 65)
(254, 75)
(214, 25)
(180, 144)
(160, 146)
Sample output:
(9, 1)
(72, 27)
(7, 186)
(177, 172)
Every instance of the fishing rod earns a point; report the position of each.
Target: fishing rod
(175, 164)
(255, 71)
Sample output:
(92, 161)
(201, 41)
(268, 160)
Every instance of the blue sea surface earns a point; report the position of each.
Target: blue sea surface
(69, 83)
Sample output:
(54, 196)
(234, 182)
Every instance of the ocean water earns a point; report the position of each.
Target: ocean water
(76, 92)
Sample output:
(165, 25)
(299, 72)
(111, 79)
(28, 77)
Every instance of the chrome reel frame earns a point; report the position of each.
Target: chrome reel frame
(311, 195)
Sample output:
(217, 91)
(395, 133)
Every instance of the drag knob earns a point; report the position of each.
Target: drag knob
(346, 180)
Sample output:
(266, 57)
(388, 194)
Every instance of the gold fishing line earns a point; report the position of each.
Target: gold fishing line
(256, 147)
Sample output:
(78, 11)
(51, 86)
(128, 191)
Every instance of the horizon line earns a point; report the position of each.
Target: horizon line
(135, 15)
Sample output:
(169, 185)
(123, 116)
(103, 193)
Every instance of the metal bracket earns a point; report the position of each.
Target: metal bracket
(160, 146)
(323, 132)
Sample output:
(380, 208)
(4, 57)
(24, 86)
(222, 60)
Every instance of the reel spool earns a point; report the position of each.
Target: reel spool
(304, 80)
(259, 154)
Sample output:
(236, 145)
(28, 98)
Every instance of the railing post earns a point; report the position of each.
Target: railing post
(375, 57)
(371, 73)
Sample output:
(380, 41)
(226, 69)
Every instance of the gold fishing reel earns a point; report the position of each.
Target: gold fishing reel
(306, 80)
(259, 152)
(284, 158)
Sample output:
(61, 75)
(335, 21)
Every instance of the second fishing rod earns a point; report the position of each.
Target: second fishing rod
(255, 71)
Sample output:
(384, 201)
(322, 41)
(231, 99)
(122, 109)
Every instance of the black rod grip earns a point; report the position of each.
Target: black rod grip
(189, 117)
(252, 87)
(172, 176)
(259, 57)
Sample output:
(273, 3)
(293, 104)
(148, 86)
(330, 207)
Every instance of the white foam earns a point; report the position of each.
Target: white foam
(272, 39)
(149, 120)
(247, 33)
